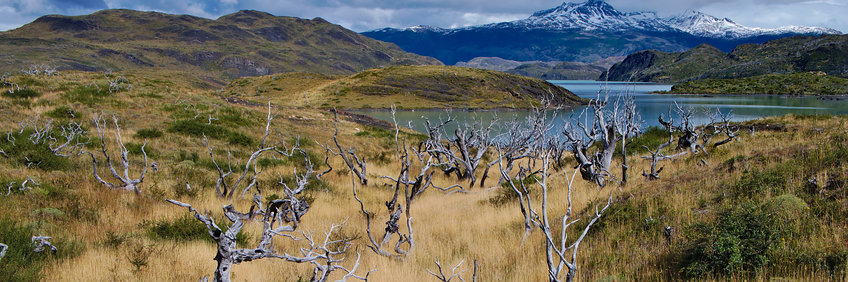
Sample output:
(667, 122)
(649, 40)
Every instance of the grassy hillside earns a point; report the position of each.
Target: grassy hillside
(783, 84)
(239, 44)
(404, 86)
(559, 71)
(827, 53)
(771, 205)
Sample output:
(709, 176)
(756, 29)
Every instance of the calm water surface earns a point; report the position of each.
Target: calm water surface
(649, 106)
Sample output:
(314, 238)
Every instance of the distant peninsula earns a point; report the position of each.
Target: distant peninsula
(807, 83)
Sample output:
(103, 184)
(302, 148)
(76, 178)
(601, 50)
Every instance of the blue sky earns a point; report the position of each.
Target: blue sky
(362, 15)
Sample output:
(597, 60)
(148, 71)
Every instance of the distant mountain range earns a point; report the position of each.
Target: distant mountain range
(245, 43)
(585, 32)
(827, 53)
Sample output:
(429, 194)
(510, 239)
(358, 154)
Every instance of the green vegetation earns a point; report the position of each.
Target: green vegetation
(133, 40)
(505, 194)
(197, 128)
(148, 133)
(63, 112)
(826, 53)
(559, 71)
(24, 152)
(20, 262)
(89, 95)
(783, 84)
(187, 228)
(22, 93)
(741, 240)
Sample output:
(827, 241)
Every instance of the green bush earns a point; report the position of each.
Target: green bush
(651, 138)
(148, 133)
(186, 228)
(756, 183)
(739, 241)
(196, 128)
(88, 95)
(20, 262)
(25, 153)
(135, 149)
(22, 93)
(505, 194)
(63, 112)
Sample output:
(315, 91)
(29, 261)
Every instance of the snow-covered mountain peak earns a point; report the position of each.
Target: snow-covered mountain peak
(591, 15)
(600, 15)
(700, 24)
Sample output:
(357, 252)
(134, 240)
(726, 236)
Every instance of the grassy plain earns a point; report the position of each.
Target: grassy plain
(752, 212)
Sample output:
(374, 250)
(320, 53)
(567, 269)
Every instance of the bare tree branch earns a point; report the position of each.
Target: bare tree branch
(126, 182)
(447, 277)
(41, 242)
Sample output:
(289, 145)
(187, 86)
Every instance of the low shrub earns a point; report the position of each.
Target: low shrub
(26, 153)
(739, 241)
(20, 262)
(22, 93)
(88, 95)
(505, 194)
(196, 128)
(63, 112)
(186, 228)
(148, 133)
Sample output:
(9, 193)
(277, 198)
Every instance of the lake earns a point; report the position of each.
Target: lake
(649, 105)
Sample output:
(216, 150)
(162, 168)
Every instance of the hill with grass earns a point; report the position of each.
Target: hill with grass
(412, 87)
(782, 84)
(559, 71)
(826, 53)
(245, 43)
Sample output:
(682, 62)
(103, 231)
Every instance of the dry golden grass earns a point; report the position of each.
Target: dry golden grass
(451, 227)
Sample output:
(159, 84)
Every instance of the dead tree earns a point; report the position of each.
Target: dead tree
(655, 157)
(604, 124)
(40, 243)
(3, 249)
(125, 181)
(225, 187)
(721, 124)
(519, 139)
(561, 254)
(408, 185)
(279, 217)
(695, 138)
(23, 186)
(40, 69)
(628, 124)
(447, 277)
(356, 164)
(322, 254)
(118, 83)
(62, 144)
(462, 153)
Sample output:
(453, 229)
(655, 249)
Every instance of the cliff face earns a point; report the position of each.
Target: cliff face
(245, 43)
(827, 53)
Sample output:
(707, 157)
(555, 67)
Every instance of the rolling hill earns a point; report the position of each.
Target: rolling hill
(412, 87)
(826, 53)
(245, 43)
